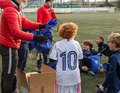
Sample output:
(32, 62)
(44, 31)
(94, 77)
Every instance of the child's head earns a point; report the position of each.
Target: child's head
(88, 45)
(99, 40)
(48, 1)
(68, 30)
(114, 41)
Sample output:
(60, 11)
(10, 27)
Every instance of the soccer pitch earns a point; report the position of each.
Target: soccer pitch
(90, 26)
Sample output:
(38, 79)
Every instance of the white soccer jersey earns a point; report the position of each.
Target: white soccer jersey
(67, 54)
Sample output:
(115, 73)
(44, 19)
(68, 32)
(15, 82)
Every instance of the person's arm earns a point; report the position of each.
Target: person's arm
(105, 50)
(53, 14)
(111, 72)
(54, 55)
(11, 17)
(40, 15)
(80, 56)
(32, 25)
(29, 24)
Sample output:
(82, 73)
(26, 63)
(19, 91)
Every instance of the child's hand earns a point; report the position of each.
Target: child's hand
(101, 88)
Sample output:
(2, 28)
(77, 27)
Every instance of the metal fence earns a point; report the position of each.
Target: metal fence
(75, 10)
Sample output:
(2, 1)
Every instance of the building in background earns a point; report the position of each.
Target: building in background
(78, 1)
(36, 2)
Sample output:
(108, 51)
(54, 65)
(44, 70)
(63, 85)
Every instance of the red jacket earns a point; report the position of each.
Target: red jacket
(11, 25)
(44, 14)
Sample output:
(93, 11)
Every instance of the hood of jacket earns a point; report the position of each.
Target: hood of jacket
(6, 3)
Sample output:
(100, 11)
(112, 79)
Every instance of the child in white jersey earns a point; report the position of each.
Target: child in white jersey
(67, 52)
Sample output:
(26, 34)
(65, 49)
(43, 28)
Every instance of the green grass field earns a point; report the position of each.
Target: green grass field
(90, 26)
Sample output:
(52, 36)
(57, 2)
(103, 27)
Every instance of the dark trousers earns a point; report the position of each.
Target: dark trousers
(22, 56)
(9, 62)
(45, 59)
(85, 63)
(45, 56)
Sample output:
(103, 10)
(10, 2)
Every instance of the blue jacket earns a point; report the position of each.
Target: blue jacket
(87, 54)
(103, 48)
(112, 81)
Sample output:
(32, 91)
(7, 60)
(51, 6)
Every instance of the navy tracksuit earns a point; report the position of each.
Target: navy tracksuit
(22, 52)
(112, 81)
(86, 60)
(22, 55)
(103, 48)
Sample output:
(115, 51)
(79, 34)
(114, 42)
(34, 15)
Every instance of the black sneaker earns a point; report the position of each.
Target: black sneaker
(39, 66)
(38, 70)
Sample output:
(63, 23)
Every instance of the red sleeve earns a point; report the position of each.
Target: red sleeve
(54, 15)
(29, 24)
(0, 4)
(39, 15)
(11, 17)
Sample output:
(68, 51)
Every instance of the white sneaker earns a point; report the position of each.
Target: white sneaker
(16, 91)
(91, 73)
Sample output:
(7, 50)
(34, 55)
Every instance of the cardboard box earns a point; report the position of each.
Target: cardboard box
(34, 82)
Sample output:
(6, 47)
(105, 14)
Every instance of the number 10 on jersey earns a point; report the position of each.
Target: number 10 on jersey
(68, 60)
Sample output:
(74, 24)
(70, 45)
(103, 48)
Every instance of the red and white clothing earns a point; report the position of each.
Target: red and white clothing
(11, 34)
(44, 14)
(67, 53)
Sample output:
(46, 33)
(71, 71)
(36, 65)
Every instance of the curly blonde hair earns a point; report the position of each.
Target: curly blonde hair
(115, 38)
(68, 30)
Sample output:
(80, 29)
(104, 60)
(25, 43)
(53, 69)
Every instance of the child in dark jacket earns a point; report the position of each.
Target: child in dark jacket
(112, 81)
(85, 63)
(103, 48)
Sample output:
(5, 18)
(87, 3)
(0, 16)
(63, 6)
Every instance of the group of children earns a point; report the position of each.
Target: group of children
(86, 64)
(88, 52)
(68, 52)
(68, 58)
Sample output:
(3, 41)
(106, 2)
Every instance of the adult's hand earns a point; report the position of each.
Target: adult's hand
(52, 10)
(40, 39)
(42, 26)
